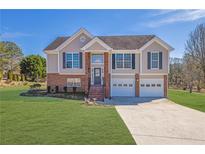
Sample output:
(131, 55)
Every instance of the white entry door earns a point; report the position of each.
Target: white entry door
(151, 88)
(123, 87)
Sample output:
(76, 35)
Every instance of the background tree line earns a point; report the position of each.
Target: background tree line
(189, 71)
(14, 66)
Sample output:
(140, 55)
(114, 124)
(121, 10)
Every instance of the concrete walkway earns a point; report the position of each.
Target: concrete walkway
(163, 122)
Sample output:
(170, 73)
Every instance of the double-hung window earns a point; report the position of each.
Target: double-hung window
(72, 60)
(119, 60)
(127, 60)
(154, 60)
(123, 60)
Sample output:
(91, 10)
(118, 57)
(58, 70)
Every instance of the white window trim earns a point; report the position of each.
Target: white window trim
(123, 67)
(73, 60)
(154, 60)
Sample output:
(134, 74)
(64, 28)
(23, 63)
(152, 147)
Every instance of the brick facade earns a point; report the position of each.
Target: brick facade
(165, 85)
(137, 85)
(55, 79)
(106, 75)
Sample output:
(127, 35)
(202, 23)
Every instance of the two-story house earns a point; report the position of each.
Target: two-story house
(107, 66)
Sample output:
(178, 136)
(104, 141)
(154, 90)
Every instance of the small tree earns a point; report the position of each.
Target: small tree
(33, 67)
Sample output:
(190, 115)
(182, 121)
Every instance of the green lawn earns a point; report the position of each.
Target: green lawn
(193, 100)
(42, 120)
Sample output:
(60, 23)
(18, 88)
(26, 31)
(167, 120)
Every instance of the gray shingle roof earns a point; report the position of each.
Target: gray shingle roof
(129, 42)
(56, 43)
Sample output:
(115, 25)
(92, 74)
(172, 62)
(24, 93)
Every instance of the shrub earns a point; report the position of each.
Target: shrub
(22, 77)
(35, 86)
(1, 74)
(10, 75)
(65, 89)
(56, 89)
(48, 89)
(18, 77)
(14, 77)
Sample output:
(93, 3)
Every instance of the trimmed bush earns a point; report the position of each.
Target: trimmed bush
(18, 77)
(56, 89)
(1, 74)
(14, 77)
(22, 77)
(10, 75)
(48, 89)
(65, 89)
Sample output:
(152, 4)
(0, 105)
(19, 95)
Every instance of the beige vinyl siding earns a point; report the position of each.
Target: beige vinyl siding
(74, 46)
(123, 76)
(52, 63)
(96, 46)
(151, 76)
(128, 71)
(165, 58)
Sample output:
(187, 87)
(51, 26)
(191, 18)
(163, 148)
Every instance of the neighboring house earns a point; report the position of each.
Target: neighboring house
(106, 66)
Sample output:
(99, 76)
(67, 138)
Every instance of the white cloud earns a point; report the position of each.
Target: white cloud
(163, 12)
(14, 35)
(177, 16)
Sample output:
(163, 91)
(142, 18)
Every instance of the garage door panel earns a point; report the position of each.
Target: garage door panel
(123, 87)
(151, 88)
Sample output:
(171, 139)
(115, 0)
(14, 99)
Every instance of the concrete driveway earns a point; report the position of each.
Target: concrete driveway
(163, 122)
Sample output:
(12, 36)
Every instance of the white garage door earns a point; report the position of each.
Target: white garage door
(151, 88)
(123, 87)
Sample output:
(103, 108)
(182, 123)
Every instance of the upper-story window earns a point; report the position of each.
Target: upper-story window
(72, 60)
(154, 60)
(123, 60)
(97, 58)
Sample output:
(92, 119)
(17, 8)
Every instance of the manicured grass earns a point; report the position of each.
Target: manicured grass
(193, 100)
(43, 120)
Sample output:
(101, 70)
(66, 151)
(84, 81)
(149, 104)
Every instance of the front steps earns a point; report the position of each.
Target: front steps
(96, 92)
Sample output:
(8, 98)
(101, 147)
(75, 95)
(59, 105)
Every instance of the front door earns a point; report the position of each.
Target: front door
(97, 75)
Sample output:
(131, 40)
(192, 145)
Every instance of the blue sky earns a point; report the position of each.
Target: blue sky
(33, 30)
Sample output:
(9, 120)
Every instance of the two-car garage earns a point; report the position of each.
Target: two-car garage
(125, 86)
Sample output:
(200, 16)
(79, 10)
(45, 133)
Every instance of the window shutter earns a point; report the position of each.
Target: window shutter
(160, 60)
(81, 60)
(133, 61)
(148, 60)
(113, 61)
(64, 60)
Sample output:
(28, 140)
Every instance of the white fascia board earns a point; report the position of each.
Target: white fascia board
(153, 73)
(128, 74)
(50, 51)
(125, 51)
(96, 39)
(76, 34)
(158, 40)
(96, 51)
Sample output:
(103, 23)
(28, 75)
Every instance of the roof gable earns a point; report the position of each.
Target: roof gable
(96, 40)
(159, 41)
